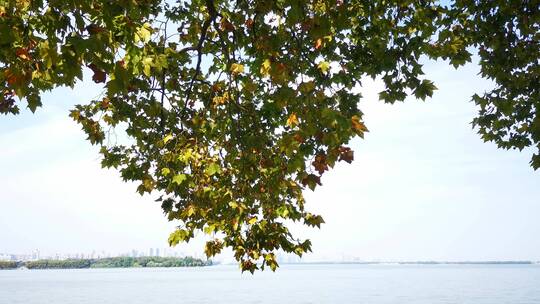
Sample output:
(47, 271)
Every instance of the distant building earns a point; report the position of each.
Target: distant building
(5, 257)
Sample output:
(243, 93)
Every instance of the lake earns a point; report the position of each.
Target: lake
(324, 283)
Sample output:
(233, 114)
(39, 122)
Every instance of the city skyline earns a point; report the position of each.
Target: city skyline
(96, 254)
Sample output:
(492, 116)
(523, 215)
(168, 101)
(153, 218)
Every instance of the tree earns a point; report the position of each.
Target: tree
(232, 108)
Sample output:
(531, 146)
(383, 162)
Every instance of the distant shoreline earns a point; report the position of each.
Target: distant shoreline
(406, 263)
(420, 263)
(116, 262)
(159, 262)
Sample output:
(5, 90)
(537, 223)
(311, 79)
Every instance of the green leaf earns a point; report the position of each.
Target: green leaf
(425, 89)
(165, 171)
(179, 179)
(167, 138)
(34, 101)
(212, 169)
(178, 236)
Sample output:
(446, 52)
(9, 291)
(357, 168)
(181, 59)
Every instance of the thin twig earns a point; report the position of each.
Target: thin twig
(212, 16)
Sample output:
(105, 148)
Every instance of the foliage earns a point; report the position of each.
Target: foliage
(149, 262)
(58, 264)
(233, 108)
(8, 265)
(116, 262)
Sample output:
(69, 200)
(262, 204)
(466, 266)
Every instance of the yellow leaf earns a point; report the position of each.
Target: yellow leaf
(252, 221)
(147, 70)
(143, 33)
(324, 66)
(219, 100)
(292, 120)
(357, 125)
(190, 211)
(237, 68)
(22, 4)
(167, 138)
(209, 229)
(265, 67)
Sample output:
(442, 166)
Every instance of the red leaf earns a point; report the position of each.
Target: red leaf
(99, 75)
(346, 154)
(320, 163)
(318, 43)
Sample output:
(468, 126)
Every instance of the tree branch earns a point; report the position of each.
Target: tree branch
(212, 16)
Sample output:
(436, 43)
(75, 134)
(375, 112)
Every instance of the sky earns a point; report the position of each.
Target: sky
(423, 186)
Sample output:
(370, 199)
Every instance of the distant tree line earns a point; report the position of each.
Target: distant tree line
(59, 264)
(116, 262)
(467, 263)
(149, 262)
(8, 265)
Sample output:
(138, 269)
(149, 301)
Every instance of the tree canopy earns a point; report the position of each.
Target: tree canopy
(233, 108)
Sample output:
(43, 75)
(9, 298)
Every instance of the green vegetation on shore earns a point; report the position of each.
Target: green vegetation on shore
(149, 262)
(117, 262)
(8, 265)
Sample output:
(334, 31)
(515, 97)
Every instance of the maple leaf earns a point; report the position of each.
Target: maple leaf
(94, 29)
(324, 66)
(22, 53)
(265, 67)
(298, 138)
(179, 179)
(318, 43)
(346, 154)
(226, 25)
(237, 68)
(10, 77)
(292, 120)
(320, 163)
(358, 126)
(311, 181)
(99, 75)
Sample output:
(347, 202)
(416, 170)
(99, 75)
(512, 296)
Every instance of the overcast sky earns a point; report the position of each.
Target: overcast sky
(423, 186)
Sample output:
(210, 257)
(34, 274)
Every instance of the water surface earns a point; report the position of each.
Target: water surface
(376, 284)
